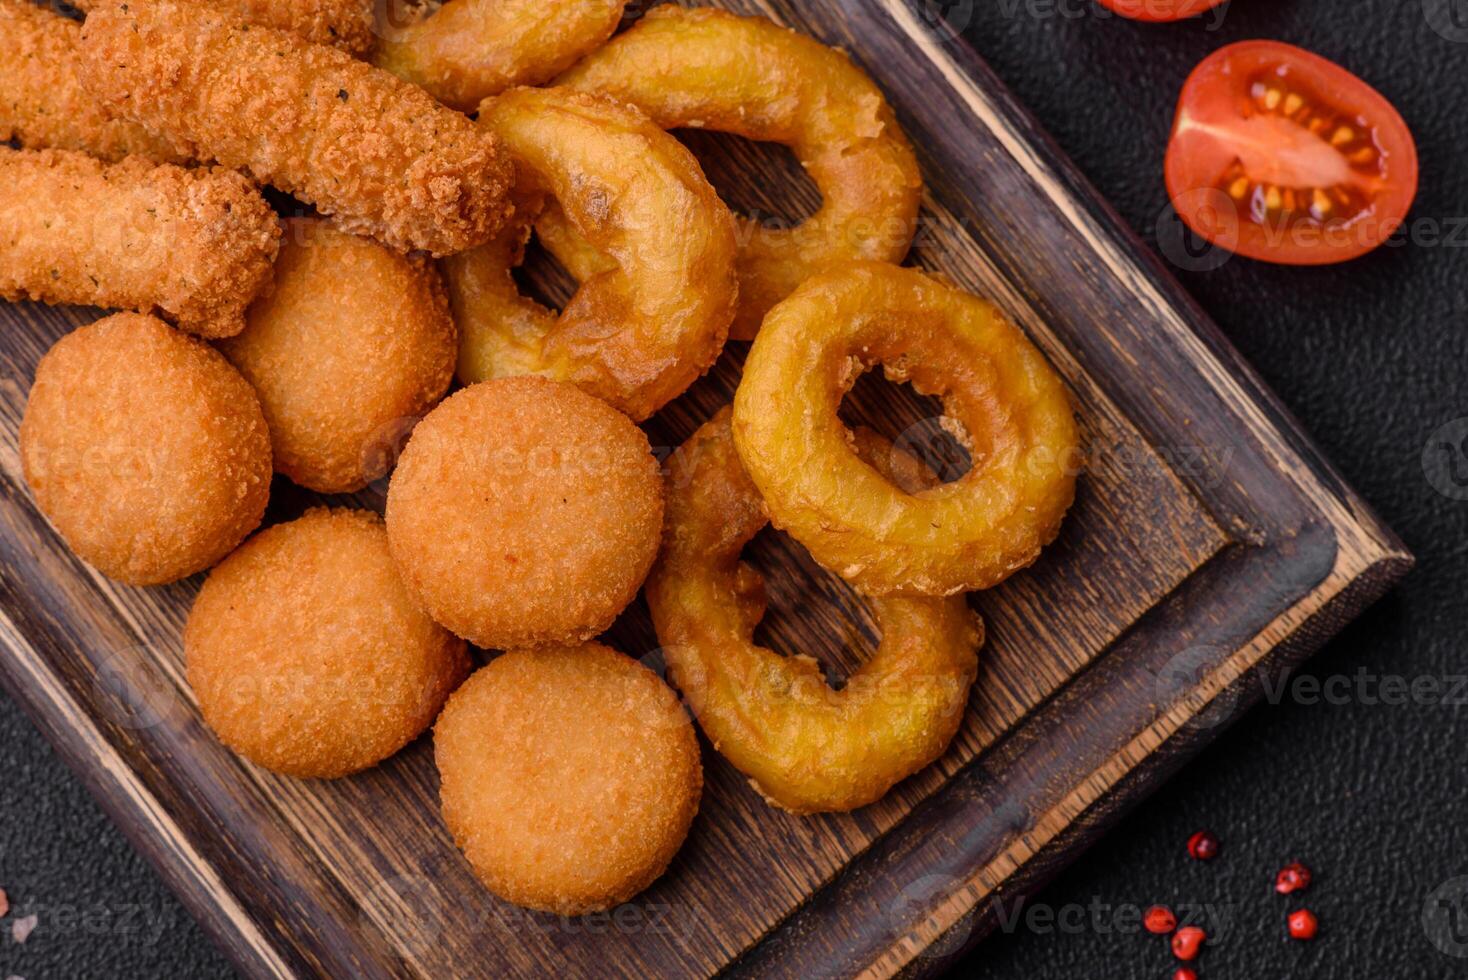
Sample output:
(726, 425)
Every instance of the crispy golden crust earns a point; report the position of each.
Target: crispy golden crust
(345, 24)
(806, 747)
(471, 49)
(709, 69)
(145, 449)
(643, 328)
(306, 654)
(42, 101)
(1002, 399)
(351, 347)
(569, 777)
(377, 154)
(525, 512)
(193, 246)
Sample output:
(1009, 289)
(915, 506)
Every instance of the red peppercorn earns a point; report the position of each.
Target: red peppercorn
(1303, 924)
(1185, 973)
(1203, 846)
(1293, 877)
(1159, 920)
(1187, 941)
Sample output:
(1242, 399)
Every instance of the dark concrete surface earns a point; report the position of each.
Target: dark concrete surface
(1372, 356)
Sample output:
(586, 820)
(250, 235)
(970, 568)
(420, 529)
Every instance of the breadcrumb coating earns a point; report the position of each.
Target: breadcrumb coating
(345, 24)
(192, 246)
(42, 101)
(351, 347)
(145, 449)
(569, 776)
(306, 654)
(525, 512)
(377, 154)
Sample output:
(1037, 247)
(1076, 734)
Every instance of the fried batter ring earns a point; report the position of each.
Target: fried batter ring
(709, 69)
(1000, 397)
(653, 309)
(806, 747)
(471, 49)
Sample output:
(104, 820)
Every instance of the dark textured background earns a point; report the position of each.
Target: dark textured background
(1372, 356)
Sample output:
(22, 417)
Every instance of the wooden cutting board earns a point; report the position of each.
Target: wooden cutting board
(1209, 540)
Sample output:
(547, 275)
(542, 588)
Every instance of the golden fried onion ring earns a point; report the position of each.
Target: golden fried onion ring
(807, 748)
(469, 50)
(1000, 397)
(709, 69)
(655, 312)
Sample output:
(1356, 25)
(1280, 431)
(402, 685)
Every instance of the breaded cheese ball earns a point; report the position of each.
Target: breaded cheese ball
(354, 344)
(525, 512)
(306, 654)
(145, 449)
(569, 776)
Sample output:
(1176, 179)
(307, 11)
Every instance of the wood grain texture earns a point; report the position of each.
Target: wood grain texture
(1207, 536)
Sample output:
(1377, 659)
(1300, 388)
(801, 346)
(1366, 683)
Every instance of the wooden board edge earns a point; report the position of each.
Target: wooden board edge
(1359, 579)
(1155, 770)
(133, 809)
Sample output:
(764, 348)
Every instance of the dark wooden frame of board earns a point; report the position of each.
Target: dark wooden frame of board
(1304, 555)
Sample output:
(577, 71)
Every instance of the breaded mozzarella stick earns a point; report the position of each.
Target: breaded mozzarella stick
(42, 102)
(193, 246)
(376, 153)
(344, 24)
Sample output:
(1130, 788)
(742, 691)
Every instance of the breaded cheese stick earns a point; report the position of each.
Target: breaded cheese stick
(42, 102)
(193, 246)
(344, 24)
(374, 152)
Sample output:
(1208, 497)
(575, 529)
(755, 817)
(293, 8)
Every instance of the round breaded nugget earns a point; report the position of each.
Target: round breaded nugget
(354, 344)
(145, 449)
(569, 776)
(307, 655)
(525, 512)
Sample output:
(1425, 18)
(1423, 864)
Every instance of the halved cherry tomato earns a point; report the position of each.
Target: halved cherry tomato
(1158, 11)
(1282, 156)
